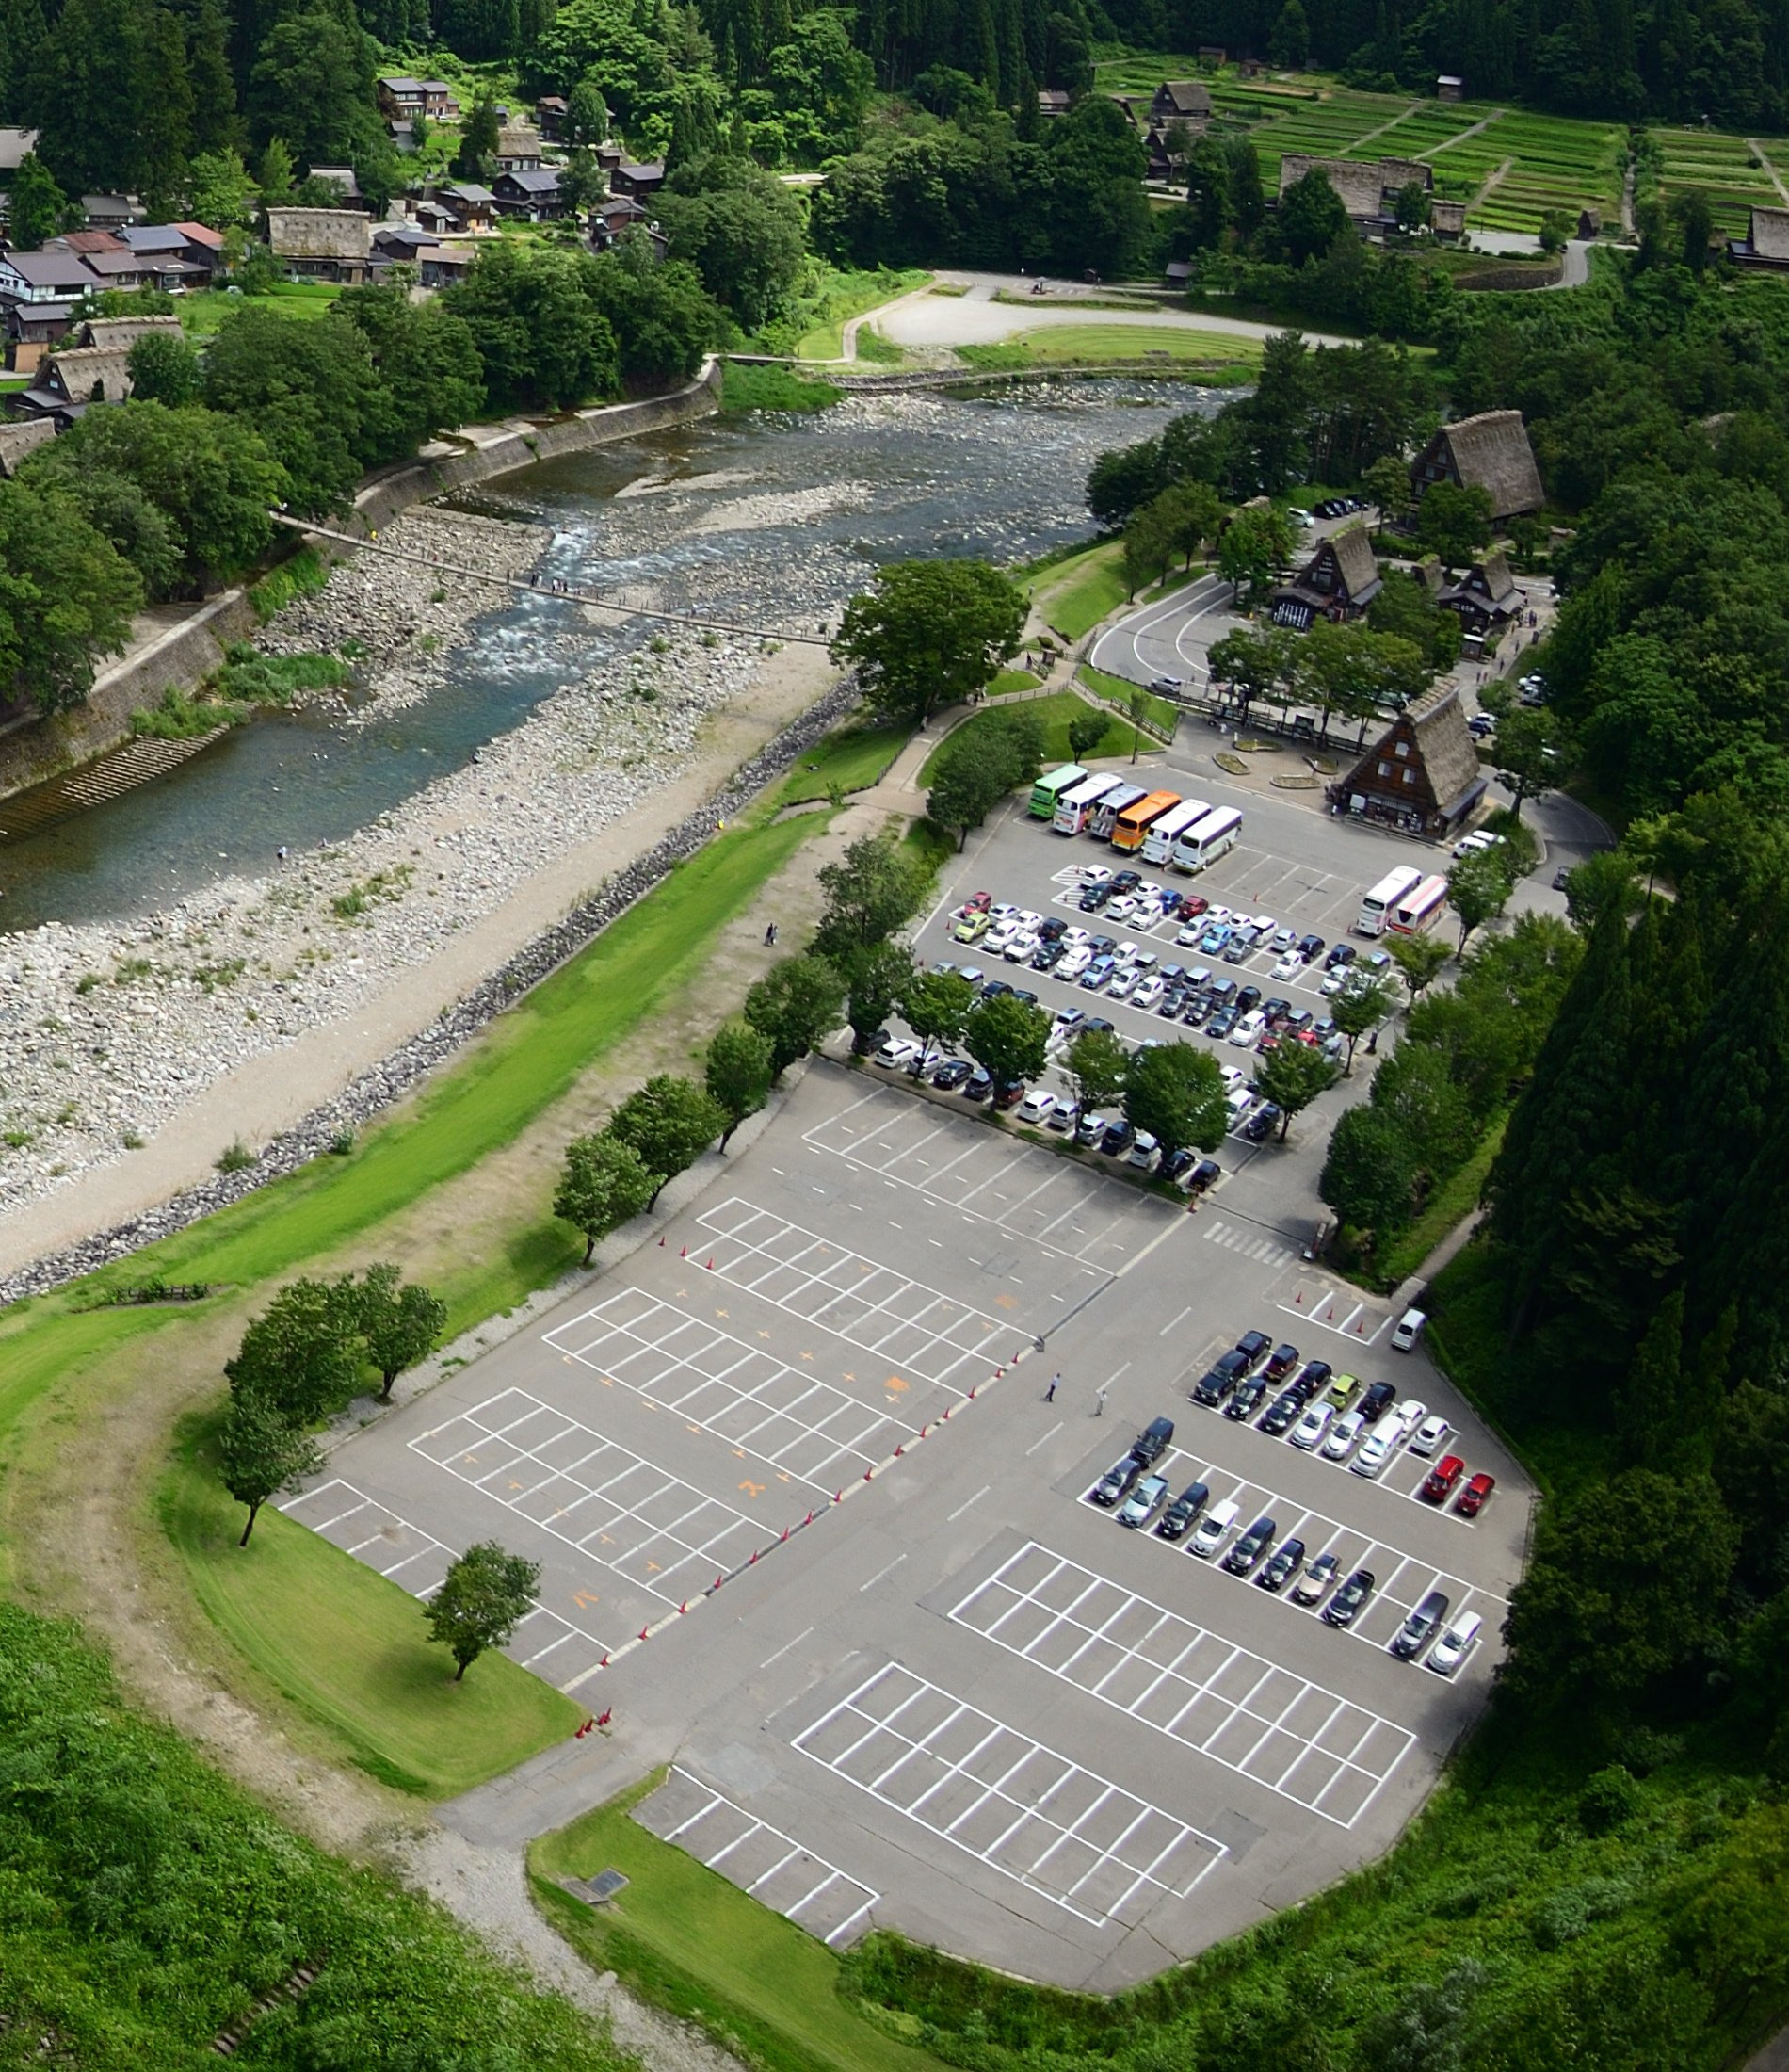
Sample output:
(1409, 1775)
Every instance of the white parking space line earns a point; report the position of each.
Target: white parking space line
(1248, 1239)
(1096, 1851)
(869, 1304)
(1208, 1694)
(808, 1428)
(651, 1528)
(1339, 1310)
(1400, 1579)
(762, 1860)
(541, 1634)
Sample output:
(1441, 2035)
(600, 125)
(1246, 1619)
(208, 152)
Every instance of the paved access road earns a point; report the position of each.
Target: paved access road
(976, 320)
(1171, 637)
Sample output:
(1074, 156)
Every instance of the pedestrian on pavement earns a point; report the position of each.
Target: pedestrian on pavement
(771, 936)
(1050, 1393)
(1098, 1401)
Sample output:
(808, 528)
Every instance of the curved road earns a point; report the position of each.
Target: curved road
(1169, 638)
(976, 320)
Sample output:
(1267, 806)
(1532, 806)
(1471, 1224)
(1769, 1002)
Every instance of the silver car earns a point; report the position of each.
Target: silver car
(1143, 1502)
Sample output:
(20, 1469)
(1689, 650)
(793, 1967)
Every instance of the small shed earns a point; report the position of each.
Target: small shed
(1449, 86)
(1422, 774)
(1488, 452)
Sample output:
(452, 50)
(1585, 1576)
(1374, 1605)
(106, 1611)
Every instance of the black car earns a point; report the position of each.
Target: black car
(1176, 1163)
(1248, 999)
(1282, 1414)
(1220, 1379)
(1285, 1357)
(1154, 1441)
(1314, 1376)
(1310, 947)
(1285, 1564)
(1093, 900)
(1202, 1174)
(1251, 1547)
(979, 1086)
(1254, 1346)
(1173, 999)
(1223, 1022)
(1103, 946)
(1377, 1401)
(1248, 1398)
(1099, 1022)
(995, 988)
(1030, 1000)
(952, 1073)
(1119, 1140)
(1420, 1627)
(1115, 1485)
(1342, 1608)
(1344, 953)
(1177, 1520)
(1127, 881)
(1198, 1006)
(1053, 930)
(1261, 1123)
(1046, 957)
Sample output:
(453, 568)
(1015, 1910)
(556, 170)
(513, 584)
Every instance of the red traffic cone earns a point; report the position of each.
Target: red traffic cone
(710, 1266)
(604, 1717)
(644, 1632)
(682, 1252)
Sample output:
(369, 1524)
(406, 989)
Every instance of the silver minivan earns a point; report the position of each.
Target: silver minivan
(1378, 1447)
(1212, 1530)
(1455, 1644)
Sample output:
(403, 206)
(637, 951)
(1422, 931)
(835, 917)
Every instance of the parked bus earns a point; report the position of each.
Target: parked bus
(1075, 807)
(1135, 822)
(1420, 908)
(1105, 817)
(1158, 844)
(1051, 786)
(1378, 906)
(1208, 839)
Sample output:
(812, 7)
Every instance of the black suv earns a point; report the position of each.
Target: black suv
(1251, 1547)
(1286, 1563)
(1179, 1516)
(1376, 1402)
(1254, 1346)
(1342, 1608)
(1220, 1379)
(1248, 1399)
(1154, 1441)
(1115, 1483)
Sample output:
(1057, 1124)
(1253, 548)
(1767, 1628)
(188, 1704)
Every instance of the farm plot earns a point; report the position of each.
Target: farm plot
(1430, 128)
(1732, 174)
(1328, 127)
(1553, 163)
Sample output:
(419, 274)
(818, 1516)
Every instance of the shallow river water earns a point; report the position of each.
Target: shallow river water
(767, 520)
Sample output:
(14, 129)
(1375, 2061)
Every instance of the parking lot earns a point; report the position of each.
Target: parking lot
(901, 1672)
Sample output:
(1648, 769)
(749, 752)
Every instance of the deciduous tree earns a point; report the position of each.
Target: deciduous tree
(795, 1004)
(929, 634)
(483, 1597)
(1362, 1004)
(1454, 522)
(671, 1121)
(1369, 1176)
(1176, 1092)
(1008, 1038)
(400, 1322)
(936, 1007)
(875, 978)
(261, 1453)
(1292, 1076)
(1419, 960)
(1096, 1062)
(602, 1184)
(302, 1354)
(737, 1071)
(1478, 888)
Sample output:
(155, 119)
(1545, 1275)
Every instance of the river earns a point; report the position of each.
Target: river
(768, 519)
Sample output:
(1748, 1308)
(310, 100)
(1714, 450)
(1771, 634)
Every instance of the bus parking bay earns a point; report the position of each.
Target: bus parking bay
(863, 1735)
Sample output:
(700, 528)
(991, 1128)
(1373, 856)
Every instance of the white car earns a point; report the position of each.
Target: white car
(1036, 1106)
(1003, 909)
(1122, 908)
(1075, 962)
(1074, 938)
(1283, 939)
(1233, 1077)
(1021, 950)
(1123, 982)
(1146, 915)
(897, 1052)
(1334, 982)
(1190, 933)
(1307, 1434)
(1143, 1151)
(1429, 1435)
(1239, 1100)
(1262, 924)
(1028, 921)
(1339, 1442)
(1377, 1448)
(1247, 1032)
(1289, 965)
(1409, 1414)
(1213, 915)
(1001, 936)
(1469, 845)
(1095, 874)
(1149, 989)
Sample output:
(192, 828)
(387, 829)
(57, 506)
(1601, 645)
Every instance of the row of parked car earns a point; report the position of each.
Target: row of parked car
(1137, 1493)
(1331, 1416)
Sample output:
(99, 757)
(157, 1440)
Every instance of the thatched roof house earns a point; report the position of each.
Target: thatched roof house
(320, 244)
(1422, 774)
(1181, 101)
(1766, 243)
(1340, 581)
(1486, 598)
(69, 382)
(16, 441)
(120, 334)
(1488, 452)
(1368, 188)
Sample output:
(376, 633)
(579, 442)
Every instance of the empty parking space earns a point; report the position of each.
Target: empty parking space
(1062, 1830)
(760, 1860)
(552, 1647)
(1325, 1307)
(653, 1528)
(899, 1319)
(1321, 1751)
(1400, 1579)
(1027, 1194)
(806, 1427)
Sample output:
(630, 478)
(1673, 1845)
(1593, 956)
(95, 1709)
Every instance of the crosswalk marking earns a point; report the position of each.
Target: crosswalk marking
(1252, 1244)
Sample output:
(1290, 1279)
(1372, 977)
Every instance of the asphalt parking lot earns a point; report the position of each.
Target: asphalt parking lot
(936, 1688)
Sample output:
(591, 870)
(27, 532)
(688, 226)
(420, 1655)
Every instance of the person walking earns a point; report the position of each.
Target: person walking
(1050, 1393)
(1098, 1401)
(771, 936)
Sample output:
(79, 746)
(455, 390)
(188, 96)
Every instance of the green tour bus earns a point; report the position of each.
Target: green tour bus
(1050, 787)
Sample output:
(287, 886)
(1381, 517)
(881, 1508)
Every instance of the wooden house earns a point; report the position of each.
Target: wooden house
(529, 197)
(1340, 581)
(550, 112)
(1488, 452)
(1485, 599)
(45, 276)
(67, 381)
(637, 180)
(32, 328)
(1765, 244)
(1052, 102)
(320, 244)
(1368, 188)
(1422, 774)
(1185, 101)
(1450, 87)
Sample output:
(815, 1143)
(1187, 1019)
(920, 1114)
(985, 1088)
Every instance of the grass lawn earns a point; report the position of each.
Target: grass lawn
(686, 1940)
(772, 388)
(849, 295)
(1081, 344)
(203, 313)
(358, 1660)
(1010, 680)
(1454, 1200)
(1155, 710)
(1076, 594)
(853, 759)
(1056, 712)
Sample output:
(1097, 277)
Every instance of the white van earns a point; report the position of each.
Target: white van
(1212, 1529)
(1378, 1447)
(1455, 1645)
(1409, 1328)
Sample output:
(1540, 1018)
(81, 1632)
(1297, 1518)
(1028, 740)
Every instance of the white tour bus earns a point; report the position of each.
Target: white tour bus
(1158, 842)
(1420, 908)
(1208, 839)
(1076, 806)
(1378, 907)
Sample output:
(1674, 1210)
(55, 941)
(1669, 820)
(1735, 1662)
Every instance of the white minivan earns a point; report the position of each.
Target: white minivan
(1211, 1532)
(1455, 1644)
(1409, 1328)
(1378, 1447)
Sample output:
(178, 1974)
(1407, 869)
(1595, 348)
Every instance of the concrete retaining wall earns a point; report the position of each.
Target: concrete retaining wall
(193, 646)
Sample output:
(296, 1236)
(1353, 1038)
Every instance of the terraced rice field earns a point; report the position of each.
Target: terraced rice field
(1726, 168)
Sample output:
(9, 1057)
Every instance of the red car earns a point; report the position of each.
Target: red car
(1444, 1477)
(1192, 904)
(1471, 1499)
(977, 903)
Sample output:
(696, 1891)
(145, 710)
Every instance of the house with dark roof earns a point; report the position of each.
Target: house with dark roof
(1185, 101)
(550, 112)
(89, 373)
(635, 180)
(1485, 599)
(529, 197)
(84, 242)
(1163, 164)
(470, 205)
(403, 96)
(443, 266)
(45, 276)
(111, 211)
(1340, 581)
(1488, 452)
(1052, 102)
(611, 221)
(1766, 243)
(401, 242)
(32, 328)
(1421, 775)
(320, 244)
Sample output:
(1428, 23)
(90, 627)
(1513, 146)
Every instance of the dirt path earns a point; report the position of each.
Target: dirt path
(1755, 145)
(1372, 134)
(1493, 182)
(1447, 143)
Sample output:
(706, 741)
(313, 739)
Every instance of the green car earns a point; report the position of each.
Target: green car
(1343, 1391)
